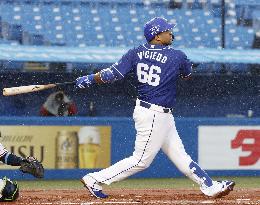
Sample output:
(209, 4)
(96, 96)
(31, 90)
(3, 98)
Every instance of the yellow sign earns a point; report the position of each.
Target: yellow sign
(60, 147)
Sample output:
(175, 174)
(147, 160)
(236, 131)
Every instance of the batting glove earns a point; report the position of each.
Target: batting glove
(85, 81)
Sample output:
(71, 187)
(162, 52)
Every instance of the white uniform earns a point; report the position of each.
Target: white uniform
(155, 130)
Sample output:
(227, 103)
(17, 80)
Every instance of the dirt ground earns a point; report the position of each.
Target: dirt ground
(132, 196)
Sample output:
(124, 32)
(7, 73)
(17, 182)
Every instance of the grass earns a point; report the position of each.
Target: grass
(175, 183)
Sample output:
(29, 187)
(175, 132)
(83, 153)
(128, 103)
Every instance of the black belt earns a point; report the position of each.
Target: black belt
(147, 105)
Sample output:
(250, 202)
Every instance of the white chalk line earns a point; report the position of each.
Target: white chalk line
(238, 201)
(112, 202)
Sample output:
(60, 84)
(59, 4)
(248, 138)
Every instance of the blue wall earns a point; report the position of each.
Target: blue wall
(123, 137)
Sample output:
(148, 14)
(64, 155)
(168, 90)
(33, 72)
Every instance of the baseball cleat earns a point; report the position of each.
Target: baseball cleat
(93, 188)
(227, 187)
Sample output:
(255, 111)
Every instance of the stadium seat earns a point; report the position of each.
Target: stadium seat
(97, 23)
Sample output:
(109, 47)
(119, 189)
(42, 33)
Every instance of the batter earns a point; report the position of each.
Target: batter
(157, 66)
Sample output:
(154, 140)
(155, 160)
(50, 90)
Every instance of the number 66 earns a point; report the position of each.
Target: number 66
(148, 74)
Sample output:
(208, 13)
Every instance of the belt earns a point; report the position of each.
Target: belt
(154, 107)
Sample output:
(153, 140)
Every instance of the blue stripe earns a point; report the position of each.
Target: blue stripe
(6, 157)
(140, 158)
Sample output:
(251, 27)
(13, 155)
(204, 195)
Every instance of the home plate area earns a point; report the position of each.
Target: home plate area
(135, 196)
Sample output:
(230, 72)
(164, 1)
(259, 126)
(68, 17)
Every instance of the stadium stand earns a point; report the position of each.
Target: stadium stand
(105, 23)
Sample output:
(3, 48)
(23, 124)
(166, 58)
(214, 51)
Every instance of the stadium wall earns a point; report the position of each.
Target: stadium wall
(202, 96)
(192, 132)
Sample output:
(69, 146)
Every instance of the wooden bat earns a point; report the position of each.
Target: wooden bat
(31, 88)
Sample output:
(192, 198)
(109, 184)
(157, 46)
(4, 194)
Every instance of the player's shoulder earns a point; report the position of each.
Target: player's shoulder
(129, 52)
(133, 49)
(139, 47)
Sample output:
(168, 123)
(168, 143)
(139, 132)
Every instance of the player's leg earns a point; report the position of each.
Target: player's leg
(149, 139)
(9, 190)
(174, 149)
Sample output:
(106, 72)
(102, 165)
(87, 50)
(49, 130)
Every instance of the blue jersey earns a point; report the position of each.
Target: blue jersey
(157, 68)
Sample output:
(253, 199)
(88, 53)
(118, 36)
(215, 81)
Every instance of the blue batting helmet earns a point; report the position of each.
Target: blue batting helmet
(155, 26)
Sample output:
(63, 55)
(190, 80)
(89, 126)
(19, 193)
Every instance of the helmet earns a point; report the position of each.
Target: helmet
(155, 26)
(10, 190)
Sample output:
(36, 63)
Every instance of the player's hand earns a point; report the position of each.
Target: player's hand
(83, 82)
(32, 166)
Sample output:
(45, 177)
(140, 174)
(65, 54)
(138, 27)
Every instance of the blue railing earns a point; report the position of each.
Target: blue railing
(113, 54)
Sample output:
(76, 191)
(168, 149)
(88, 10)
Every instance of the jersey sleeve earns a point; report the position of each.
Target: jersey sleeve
(186, 66)
(123, 66)
(3, 150)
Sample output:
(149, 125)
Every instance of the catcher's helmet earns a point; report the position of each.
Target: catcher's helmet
(10, 190)
(155, 26)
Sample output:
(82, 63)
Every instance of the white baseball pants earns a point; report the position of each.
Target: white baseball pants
(155, 130)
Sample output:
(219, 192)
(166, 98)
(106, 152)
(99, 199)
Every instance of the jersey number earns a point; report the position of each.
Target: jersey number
(148, 74)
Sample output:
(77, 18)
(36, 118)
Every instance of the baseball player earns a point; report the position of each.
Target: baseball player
(157, 66)
(9, 190)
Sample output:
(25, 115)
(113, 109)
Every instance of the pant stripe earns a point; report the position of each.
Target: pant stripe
(140, 158)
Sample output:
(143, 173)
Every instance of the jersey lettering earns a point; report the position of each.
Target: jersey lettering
(152, 55)
(148, 74)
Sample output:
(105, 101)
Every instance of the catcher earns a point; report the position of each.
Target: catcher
(9, 190)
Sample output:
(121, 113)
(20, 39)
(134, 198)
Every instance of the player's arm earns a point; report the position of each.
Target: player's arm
(186, 68)
(108, 75)
(28, 165)
(104, 76)
(11, 159)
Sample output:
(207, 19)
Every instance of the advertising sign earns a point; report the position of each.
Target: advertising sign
(60, 147)
(229, 147)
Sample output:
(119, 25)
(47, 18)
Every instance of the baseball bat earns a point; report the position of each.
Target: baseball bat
(32, 88)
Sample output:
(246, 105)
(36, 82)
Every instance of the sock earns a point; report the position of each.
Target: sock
(200, 173)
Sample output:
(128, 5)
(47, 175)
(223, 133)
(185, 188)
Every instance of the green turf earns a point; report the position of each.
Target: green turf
(242, 182)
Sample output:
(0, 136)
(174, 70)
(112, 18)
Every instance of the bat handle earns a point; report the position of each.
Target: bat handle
(65, 83)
